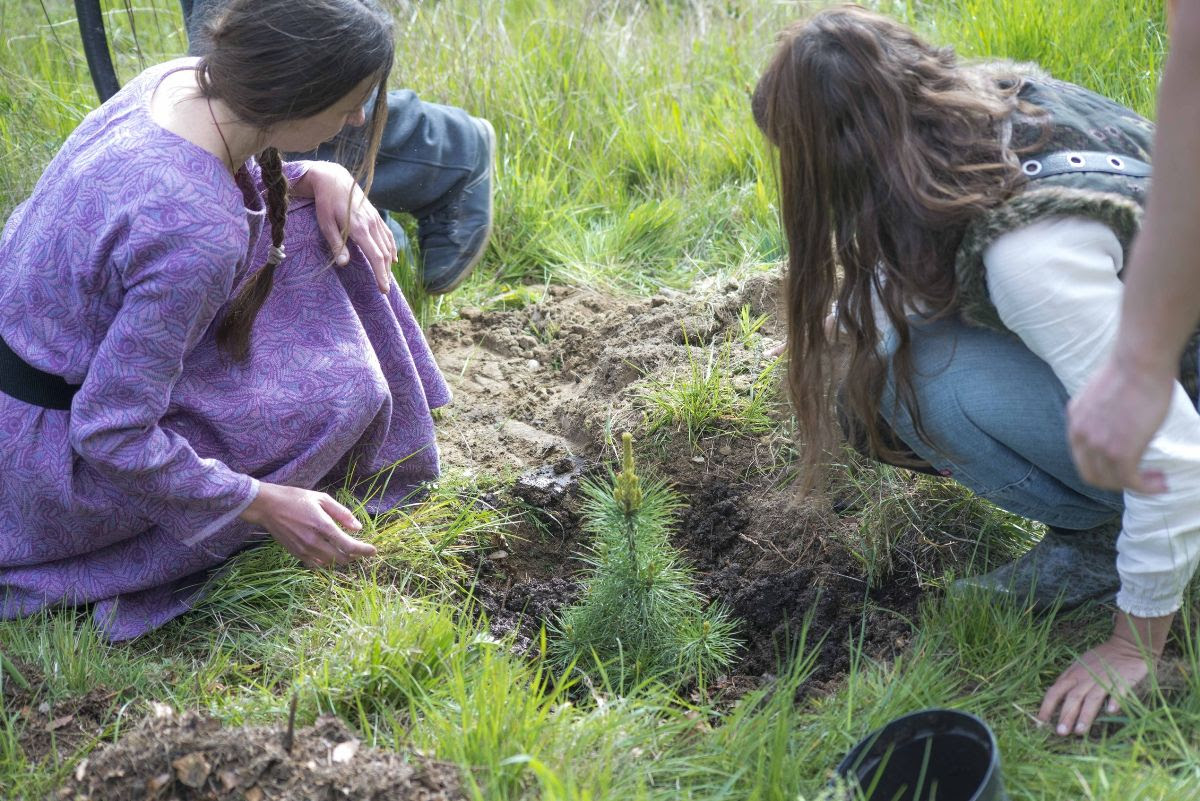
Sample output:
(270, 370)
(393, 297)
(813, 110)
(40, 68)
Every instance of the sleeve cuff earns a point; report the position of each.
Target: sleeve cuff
(295, 170)
(1147, 606)
(244, 496)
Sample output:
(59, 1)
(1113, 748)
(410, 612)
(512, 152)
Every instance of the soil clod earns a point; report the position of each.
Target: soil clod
(194, 758)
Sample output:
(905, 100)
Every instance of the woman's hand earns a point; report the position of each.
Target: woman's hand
(831, 332)
(1105, 674)
(341, 205)
(307, 524)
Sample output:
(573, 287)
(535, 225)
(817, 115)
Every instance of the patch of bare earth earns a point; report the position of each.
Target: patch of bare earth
(194, 758)
(541, 391)
(50, 731)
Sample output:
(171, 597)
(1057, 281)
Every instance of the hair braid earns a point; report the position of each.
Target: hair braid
(233, 334)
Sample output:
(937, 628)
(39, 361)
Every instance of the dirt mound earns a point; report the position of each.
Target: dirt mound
(540, 382)
(540, 393)
(191, 757)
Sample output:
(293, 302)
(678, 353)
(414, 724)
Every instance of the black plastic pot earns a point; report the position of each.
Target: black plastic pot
(932, 755)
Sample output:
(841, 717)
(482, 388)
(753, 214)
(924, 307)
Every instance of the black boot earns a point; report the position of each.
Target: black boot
(1065, 570)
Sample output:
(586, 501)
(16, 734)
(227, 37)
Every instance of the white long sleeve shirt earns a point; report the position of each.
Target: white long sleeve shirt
(1055, 285)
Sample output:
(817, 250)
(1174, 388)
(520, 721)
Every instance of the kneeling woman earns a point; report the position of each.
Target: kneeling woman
(962, 229)
(180, 362)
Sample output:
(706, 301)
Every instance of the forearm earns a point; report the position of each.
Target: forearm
(1163, 276)
(176, 283)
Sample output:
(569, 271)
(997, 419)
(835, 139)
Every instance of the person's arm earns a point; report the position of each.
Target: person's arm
(176, 268)
(342, 206)
(1114, 417)
(1055, 285)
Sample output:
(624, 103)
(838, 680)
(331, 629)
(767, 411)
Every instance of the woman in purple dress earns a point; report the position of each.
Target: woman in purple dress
(180, 361)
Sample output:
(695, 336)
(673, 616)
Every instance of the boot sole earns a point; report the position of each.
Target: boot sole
(965, 586)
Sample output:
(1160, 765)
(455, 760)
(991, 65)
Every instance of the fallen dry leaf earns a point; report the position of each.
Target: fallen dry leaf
(58, 723)
(192, 770)
(161, 710)
(158, 782)
(254, 794)
(229, 780)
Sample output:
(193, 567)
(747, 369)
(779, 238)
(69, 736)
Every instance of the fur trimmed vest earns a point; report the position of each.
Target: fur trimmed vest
(1076, 120)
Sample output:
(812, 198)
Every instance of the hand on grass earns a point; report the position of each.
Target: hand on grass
(307, 524)
(1112, 420)
(1104, 675)
(341, 205)
(831, 332)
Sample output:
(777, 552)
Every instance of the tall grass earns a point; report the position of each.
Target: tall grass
(615, 168)
(627, 160)
(627, 156)
(1114, 47)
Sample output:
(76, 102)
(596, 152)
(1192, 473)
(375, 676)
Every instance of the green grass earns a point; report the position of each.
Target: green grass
(628, 161)
(1114, 47)
(904, 519)
(712, 396)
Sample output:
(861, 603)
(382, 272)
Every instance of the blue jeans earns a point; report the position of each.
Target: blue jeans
(427, 152)
(995, 418)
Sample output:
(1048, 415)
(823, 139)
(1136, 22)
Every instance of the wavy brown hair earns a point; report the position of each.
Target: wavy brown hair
(887, 148)
(271, 61)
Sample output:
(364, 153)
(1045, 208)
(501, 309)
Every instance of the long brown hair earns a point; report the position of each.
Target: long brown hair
(271, 61)
(887, 148)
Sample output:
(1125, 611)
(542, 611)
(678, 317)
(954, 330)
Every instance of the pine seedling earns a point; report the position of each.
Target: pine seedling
(640, 617)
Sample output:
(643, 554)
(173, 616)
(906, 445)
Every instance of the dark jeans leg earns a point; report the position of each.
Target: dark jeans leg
(427, 151)
(995, 416)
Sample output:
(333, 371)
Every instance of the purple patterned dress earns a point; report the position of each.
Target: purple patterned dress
(111, 275)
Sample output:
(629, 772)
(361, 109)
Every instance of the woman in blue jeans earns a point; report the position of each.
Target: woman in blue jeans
(968, 225)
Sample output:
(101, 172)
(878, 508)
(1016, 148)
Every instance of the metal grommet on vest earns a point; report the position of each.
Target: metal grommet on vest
(1066, 162)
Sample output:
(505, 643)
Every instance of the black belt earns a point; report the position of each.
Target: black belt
(21, 380)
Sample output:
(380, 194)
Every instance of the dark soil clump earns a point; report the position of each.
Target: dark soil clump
(778, 571)
(192, 758)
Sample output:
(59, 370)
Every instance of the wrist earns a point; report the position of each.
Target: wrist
(1145, 363)
(254, 511)
(1143, 633)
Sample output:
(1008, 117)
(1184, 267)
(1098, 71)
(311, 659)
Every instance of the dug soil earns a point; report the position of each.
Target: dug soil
(192, 758)
(51, 730)
(542, 393)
